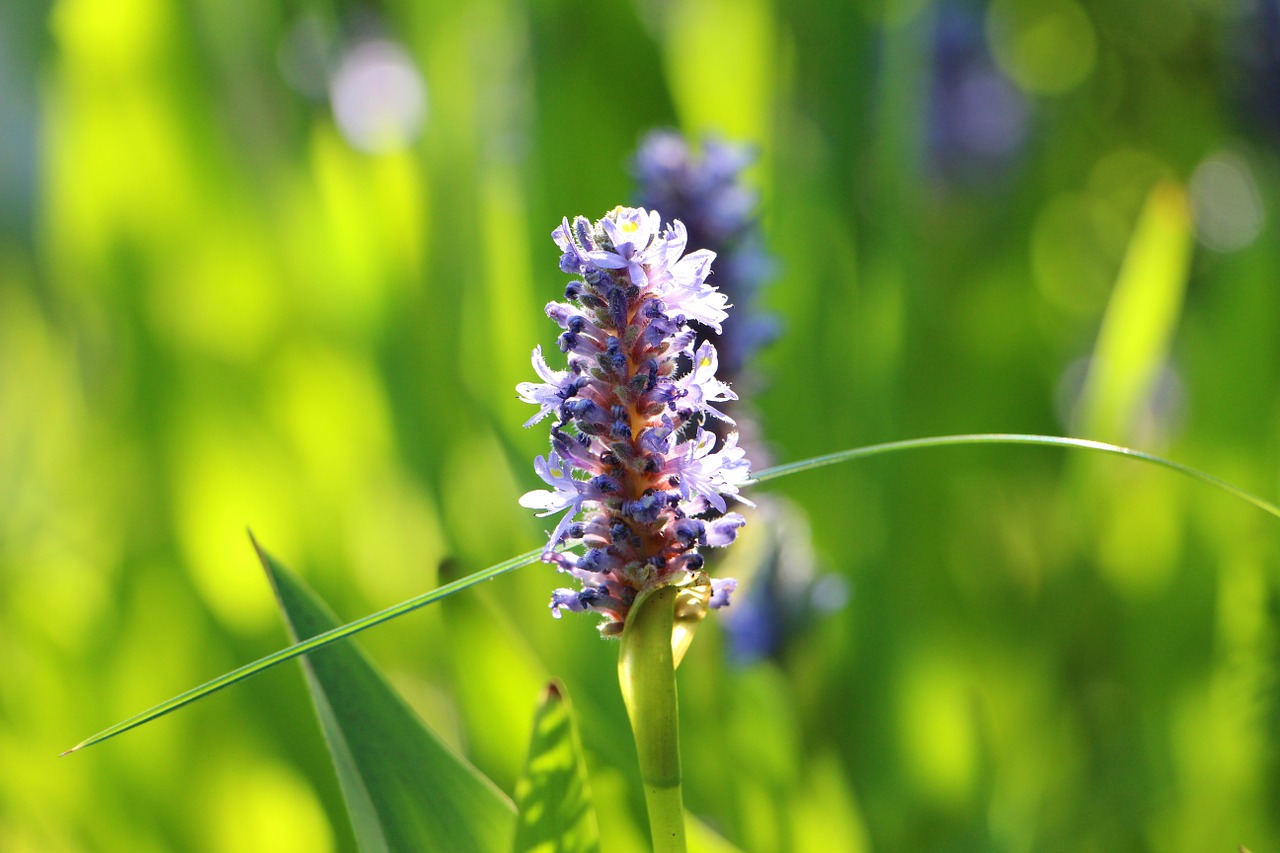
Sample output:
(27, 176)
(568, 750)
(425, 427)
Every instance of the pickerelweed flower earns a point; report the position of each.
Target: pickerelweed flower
(640, 483)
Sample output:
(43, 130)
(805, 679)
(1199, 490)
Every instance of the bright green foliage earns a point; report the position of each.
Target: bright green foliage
(553, 795)
(1141, 318)
(405, 790)
(215, 313)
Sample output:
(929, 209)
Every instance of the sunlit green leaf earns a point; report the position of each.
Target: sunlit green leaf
(1141, 317)
(552, 795)
(405, 789)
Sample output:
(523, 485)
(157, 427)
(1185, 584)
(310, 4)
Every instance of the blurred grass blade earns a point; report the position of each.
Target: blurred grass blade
(887, 448)
(319, 641)
(553, 796)
(647, 675)
(1141, 317)
(405, 790)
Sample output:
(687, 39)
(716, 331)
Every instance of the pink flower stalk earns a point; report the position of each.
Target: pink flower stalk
(640, 483)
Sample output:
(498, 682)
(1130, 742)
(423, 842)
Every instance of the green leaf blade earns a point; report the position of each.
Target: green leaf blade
(553, 796)
(405, 789)
(1141, 318)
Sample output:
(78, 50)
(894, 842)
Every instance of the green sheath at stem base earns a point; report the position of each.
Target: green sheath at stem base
(647, 675)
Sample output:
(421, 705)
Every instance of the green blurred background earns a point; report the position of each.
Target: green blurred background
(280, 265)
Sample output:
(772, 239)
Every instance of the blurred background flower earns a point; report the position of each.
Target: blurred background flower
(705, 188)
(280, 266)
(979, 119)
(707, 192)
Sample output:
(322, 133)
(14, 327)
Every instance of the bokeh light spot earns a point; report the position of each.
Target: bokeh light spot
(1140, 537)
(117, 36)
(1046, 48)
(379, 97)
(992, 116)
(221, 297)
(229, 478)
(260, 805)
(1225, 202)
(937, 730)
(1076, 245)
(334, 411)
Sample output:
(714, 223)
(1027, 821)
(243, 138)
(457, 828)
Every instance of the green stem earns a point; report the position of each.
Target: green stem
(666, 817)
(647, 675)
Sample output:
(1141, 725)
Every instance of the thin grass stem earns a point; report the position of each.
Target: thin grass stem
(887, 448)
(768, 474)
(317, 642)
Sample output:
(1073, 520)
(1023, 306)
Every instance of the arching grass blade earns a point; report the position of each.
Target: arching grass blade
(317, 642)
(766, 475)
(887, 448)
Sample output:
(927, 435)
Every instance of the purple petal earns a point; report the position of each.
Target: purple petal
(721, 588)
(723, 530)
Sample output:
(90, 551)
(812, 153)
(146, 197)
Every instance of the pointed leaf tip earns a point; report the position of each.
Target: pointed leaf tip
(405, 789)
(553, 793)
(319, 641)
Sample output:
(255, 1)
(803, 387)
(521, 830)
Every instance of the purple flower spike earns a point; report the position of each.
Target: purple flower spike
(635, 386)
(704, 187)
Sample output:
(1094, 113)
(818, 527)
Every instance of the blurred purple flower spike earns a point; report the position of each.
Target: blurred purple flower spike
(705, 191)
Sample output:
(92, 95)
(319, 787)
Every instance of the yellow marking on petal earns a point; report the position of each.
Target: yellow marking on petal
(706, 362)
